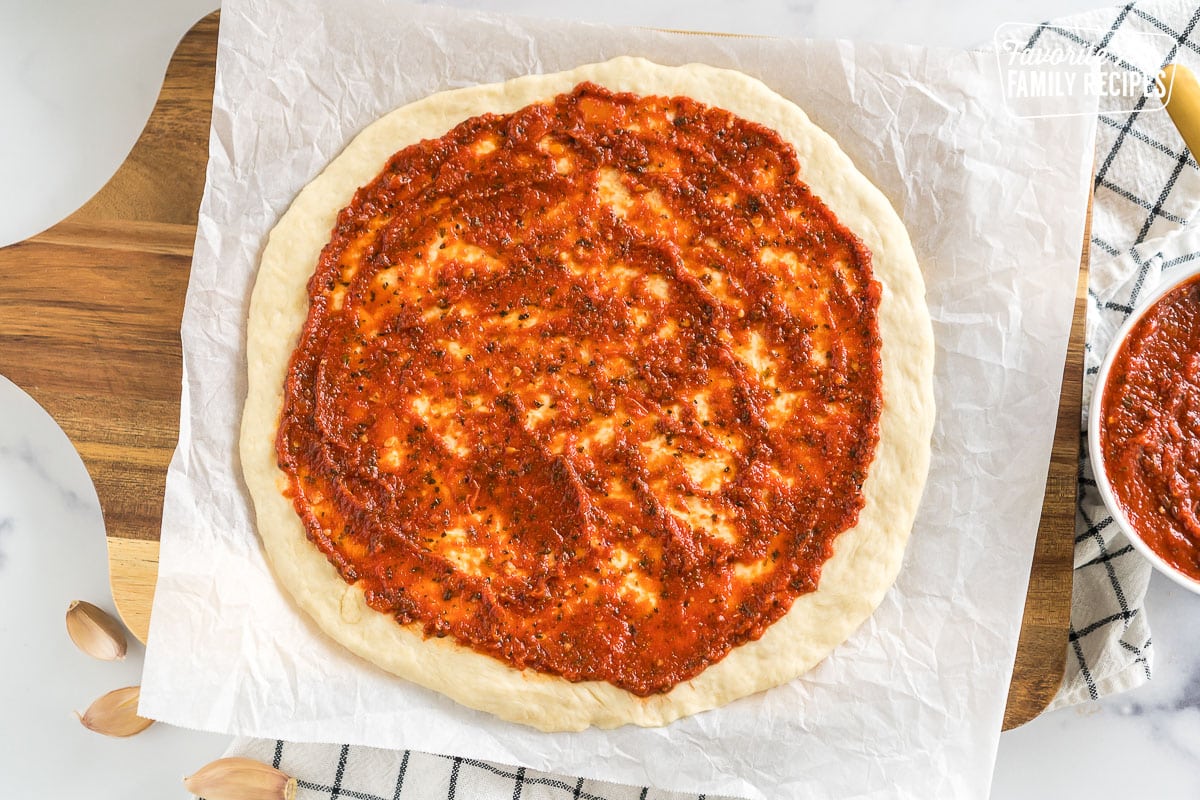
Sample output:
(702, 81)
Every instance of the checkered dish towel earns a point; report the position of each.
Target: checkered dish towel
(1146, 188)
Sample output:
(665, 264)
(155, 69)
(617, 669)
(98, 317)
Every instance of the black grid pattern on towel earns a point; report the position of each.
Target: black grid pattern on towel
(1140, 161)
(365, 773)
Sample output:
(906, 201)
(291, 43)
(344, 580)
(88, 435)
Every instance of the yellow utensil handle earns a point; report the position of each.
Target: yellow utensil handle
(1183, 103)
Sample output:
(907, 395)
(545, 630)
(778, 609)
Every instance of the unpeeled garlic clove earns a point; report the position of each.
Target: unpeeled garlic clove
(240, 779)
(95, 632)
(115, 714)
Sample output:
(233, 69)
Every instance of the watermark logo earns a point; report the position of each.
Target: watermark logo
(1060, 71)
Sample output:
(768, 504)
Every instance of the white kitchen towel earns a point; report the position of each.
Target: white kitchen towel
(331, 772)
(1147, 188)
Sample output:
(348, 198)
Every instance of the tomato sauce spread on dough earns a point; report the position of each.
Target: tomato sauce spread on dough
(591, 387)
(1150, 434)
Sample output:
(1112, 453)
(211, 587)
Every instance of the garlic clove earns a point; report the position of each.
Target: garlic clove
(95, 631)
(115, 714)
(240, 779)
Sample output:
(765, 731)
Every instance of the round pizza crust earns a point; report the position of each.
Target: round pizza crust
(867, 557)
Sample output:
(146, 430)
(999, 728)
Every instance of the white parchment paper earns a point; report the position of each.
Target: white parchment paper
(911, 705)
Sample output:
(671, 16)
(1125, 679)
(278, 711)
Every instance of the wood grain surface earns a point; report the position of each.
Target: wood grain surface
(90, 311)
(1041, 650)
(89, 326)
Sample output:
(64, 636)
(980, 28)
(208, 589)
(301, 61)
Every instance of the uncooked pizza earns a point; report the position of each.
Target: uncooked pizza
(594, 398)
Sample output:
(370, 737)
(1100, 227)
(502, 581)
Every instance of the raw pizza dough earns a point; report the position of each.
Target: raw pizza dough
(867, 557)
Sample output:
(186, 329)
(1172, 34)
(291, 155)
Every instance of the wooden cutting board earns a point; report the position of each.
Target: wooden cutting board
(89, 326)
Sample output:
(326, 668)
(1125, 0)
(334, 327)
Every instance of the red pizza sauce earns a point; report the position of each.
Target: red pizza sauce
(591, 387)
(1150, 434)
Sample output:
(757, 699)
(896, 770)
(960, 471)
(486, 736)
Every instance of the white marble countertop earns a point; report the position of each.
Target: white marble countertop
(77, 81)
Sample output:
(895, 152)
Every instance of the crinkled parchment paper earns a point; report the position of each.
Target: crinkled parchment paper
(911, 705)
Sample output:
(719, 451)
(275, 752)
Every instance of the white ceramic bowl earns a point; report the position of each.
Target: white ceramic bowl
(1097, 455)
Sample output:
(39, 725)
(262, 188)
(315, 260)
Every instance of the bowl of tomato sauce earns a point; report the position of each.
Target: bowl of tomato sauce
(1144, 429)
